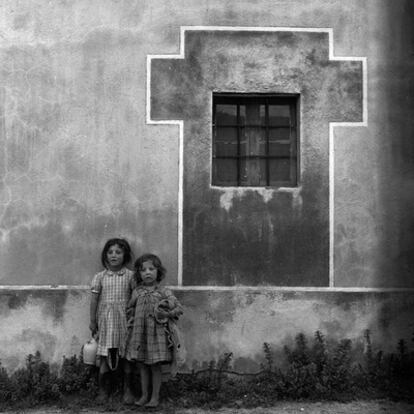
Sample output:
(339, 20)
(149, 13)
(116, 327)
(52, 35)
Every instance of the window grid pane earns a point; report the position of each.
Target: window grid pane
(254, 141)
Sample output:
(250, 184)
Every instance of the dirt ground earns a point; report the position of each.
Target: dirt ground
(357, 407)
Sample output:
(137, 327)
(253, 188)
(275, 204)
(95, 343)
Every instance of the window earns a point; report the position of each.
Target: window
(255, 140)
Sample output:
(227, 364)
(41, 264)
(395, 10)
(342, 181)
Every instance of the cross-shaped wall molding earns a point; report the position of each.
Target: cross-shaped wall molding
(288, 232)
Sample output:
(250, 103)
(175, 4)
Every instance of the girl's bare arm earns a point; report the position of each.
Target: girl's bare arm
(93, 326)
(131, 304)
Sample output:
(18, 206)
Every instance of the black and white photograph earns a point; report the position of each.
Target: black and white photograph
(207, 206)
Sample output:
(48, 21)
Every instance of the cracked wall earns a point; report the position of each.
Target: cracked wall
(72, 149)
(78, 164)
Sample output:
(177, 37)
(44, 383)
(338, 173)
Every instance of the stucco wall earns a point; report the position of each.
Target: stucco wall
(259, 236)
(54, 322)
(79, 164)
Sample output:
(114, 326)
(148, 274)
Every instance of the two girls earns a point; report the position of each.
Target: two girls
(152, 310)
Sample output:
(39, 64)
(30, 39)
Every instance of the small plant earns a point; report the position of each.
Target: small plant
(312, 370)
(76, 377)
(299, 355)
(320, 354)
(223, 366)
(6, 388)
(268, 357)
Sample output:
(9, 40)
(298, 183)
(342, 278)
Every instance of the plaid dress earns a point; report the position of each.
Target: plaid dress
(148, 339)
(114, 290)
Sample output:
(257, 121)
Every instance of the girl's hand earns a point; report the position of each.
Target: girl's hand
(130, 322)
(93, 326)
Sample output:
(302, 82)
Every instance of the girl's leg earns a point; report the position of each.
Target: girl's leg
(103, 380)
(144, 373)
(128, 397)
(156, 385)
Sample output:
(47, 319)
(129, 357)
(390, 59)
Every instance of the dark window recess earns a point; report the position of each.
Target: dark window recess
(255, 140)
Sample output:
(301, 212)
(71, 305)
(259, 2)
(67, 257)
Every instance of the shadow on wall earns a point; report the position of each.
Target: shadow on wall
(396, 175)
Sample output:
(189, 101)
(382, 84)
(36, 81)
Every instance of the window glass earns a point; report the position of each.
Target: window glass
(279, 150)
(279, 134)
(226, 114)
(225, 171)
(279, 115)
(280, 168)
(253, 172)
(254, 140)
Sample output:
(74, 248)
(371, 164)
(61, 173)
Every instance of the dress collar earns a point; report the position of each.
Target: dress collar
(149, 288)
(118, 273)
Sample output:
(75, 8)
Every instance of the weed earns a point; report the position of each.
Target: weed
(313, 370)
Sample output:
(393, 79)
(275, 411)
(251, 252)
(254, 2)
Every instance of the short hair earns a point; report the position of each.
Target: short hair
(149, 257)
(123, 244)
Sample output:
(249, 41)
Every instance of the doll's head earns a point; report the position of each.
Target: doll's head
(149, 259)
(116, 244)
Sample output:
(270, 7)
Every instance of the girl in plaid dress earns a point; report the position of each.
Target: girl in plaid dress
(111, 291)
(149, 308)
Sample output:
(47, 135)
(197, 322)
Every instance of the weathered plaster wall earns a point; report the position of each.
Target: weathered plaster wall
(240, 322)
(282, 239)
(374, 169)
(78, 164)
(53, 322)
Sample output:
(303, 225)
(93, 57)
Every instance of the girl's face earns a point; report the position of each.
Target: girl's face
(115, 257)
(148, 273)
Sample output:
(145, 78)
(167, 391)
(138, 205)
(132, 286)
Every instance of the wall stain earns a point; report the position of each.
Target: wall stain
(224, 246)
(17, 300)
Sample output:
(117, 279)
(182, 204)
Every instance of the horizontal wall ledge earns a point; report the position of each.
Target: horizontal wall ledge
(223, 288)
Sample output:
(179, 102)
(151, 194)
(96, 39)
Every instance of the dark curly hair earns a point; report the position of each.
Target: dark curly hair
(123, 244)
(161, 271)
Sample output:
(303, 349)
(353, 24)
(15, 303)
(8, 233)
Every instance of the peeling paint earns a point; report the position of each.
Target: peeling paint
(42, 321)
(228, 194)
(214, 322)
(249, 320)
(297, 202)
